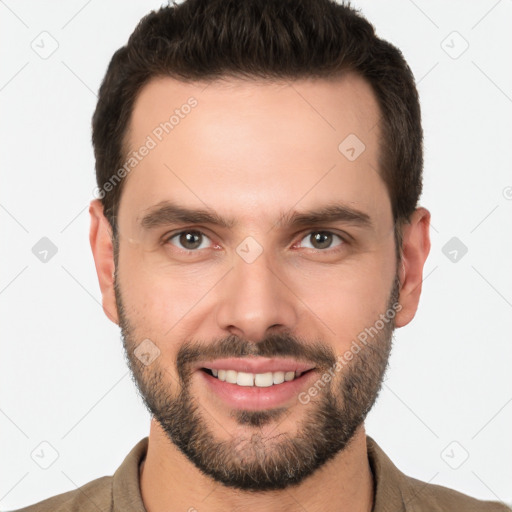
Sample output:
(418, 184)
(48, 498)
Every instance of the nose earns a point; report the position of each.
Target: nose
(256, 298)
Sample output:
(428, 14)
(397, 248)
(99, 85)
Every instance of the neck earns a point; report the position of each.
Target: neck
(170, 482)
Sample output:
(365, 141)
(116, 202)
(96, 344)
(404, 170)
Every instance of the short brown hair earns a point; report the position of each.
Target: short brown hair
(200, 40)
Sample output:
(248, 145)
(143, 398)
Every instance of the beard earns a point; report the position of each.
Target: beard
(255, 460)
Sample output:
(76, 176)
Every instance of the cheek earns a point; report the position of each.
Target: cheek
(158, 297)
(348, 299)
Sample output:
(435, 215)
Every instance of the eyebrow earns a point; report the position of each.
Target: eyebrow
(167, 212)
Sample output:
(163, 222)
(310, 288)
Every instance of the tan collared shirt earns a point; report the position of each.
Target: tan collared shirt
(394, 491)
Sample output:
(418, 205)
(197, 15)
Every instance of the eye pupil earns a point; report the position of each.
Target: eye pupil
(324, 239)
(187, 239)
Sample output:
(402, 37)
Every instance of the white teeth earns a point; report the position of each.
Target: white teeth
(278, 377)
(231, 376)
(260, 380)
(289, 375)
(245, 379)
(263, 380)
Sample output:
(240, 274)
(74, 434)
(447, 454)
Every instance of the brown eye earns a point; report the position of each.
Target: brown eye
(188, 240)
(322, 240)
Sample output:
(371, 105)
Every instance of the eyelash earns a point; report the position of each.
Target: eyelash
(168, 238)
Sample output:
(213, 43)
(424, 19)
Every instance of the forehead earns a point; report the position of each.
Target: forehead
(255, 148)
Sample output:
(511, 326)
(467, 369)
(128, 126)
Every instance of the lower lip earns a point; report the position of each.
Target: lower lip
(256, 398)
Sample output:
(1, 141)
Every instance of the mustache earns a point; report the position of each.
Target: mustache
(274, 345)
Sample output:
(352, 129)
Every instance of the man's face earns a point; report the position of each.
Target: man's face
(262, 295)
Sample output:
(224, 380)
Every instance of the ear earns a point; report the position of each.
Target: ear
(415, 249)
(100, 238)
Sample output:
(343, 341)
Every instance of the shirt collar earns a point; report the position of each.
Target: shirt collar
(388, 481)
(391, 487)
(126, 495)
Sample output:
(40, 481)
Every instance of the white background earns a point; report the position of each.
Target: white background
(63, 378)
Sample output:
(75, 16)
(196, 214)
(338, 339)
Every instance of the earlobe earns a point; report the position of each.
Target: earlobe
(415, 249)
(100, 238)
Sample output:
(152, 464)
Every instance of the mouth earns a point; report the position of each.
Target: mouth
(259, 380)
(256, 383)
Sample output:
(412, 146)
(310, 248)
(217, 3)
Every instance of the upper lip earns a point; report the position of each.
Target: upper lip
(257, 365)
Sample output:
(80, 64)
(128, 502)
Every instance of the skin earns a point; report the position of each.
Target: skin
(252, 150)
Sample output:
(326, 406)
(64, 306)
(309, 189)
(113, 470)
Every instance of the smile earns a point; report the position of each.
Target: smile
(260, 380)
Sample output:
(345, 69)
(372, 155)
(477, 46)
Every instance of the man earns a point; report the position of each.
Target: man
(257, 238)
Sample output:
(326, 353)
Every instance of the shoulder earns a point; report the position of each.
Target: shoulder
(395, 491)
(419, 496)
(92, 497)
(100, 494)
